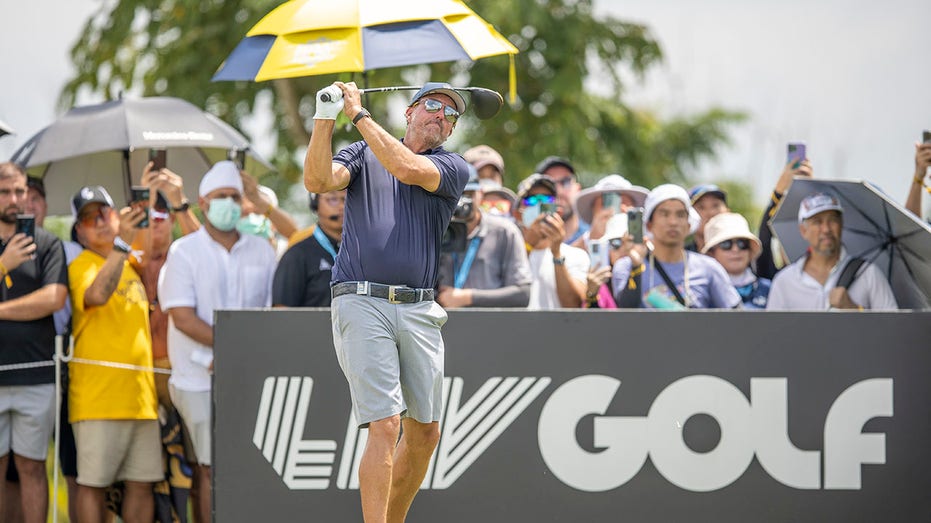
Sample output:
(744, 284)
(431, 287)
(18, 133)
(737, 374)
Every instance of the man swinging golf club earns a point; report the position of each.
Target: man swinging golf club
(386, 325)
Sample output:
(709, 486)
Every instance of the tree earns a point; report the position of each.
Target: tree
(173, 47)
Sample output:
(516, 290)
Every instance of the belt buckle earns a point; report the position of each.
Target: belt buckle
(392, 298)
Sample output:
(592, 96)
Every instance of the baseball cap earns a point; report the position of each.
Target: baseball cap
(551, 161)
(695, 193)
(613, 183)
(88, 195)
(442, 88)
(534, 180)
(222, 174)
(36, 183)
(818, 202)
(482, 155)
(729, 226)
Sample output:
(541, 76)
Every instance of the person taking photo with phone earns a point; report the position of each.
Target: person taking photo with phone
(922, 164)
(33, 285)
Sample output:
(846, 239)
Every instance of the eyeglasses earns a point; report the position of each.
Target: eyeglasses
(432, 106)
(563, 182)
(93, 218)
(616, 243)
(741, 243)
(530, 201)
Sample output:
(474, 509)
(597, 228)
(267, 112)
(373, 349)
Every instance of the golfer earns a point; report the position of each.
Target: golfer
(386, 325)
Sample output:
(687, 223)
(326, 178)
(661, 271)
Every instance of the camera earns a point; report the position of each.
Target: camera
(454, 239)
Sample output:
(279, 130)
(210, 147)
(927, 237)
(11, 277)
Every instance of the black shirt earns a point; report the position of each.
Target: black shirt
(302, 278)
(32, 341)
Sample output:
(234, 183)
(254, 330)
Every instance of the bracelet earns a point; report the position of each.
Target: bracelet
(918, 180)
(559, 261)
(360, 115)
(120, 245)
(268, 212)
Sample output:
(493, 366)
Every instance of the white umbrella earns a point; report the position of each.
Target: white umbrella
(876, 228)
(108, 144)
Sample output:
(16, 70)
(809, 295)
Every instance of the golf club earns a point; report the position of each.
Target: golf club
(485, 102)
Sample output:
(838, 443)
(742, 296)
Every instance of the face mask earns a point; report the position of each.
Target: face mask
(224, 213)
(256, 225)
(530, 215)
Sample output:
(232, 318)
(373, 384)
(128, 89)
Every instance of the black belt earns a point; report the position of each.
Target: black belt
(392, 293)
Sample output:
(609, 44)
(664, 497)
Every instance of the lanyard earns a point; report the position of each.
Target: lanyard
(324, 242)
(685, 275)
(463, 271)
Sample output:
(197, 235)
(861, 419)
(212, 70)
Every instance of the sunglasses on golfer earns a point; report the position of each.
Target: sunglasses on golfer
(432, 106)
(742, 244)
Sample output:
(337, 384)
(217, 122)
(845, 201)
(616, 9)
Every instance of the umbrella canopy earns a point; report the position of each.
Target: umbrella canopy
(876, 228)
(314, 37)
(108, 144)
(5, 129)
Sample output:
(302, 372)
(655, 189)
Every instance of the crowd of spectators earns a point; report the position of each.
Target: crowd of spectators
(142, 297)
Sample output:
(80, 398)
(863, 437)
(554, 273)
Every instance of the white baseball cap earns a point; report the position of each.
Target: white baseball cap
(818, 202)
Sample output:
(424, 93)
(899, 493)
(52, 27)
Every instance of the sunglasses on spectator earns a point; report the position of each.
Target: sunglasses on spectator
(616, 243)
(530, 201)
(432, 106)
(741, 243)
(93, 218)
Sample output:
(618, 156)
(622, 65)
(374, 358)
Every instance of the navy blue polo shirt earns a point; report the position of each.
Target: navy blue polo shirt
(392, 231)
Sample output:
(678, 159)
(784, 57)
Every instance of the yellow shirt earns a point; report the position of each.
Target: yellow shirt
(117, 331)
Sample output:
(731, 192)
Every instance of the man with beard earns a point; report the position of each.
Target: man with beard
(33, 285)
(400, 197)
(810, 283)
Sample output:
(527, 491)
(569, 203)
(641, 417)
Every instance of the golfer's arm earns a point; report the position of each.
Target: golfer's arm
(320, 173)
(401, 162)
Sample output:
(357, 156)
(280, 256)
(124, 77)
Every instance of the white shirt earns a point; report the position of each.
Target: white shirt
(794, 289)
(200, 273)
(543, 289)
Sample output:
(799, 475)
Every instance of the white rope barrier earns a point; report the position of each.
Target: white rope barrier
(62, 357)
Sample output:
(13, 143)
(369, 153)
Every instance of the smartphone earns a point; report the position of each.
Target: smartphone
(796, 153)
(926, 136)
(547, 208)
(635, 224)
(241, 159)
(141, 195)
(611, 200)
(158, 157)
(598, 252)
(26, 224)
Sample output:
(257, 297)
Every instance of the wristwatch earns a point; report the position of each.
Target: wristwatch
(360, 115)
(559, 261)
(185, 205)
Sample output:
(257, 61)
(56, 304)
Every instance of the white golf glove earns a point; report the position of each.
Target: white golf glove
(329, 110)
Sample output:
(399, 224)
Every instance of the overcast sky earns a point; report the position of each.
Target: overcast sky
(849, 77)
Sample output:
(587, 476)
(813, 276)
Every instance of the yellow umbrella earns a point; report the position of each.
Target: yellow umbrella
(314, 37)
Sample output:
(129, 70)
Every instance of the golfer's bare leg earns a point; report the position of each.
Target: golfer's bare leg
(33, 488)
(139, 503)
(375, 468)
(411, 460)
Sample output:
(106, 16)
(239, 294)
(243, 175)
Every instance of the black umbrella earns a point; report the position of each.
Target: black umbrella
(108, 144)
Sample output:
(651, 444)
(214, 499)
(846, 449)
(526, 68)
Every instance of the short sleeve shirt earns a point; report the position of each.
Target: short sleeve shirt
(392, 232)
(302, 278)
(709, 285)
(31, 341)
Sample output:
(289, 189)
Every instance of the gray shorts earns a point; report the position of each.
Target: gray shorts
(392, 356)
(27, 417)
(115, 449)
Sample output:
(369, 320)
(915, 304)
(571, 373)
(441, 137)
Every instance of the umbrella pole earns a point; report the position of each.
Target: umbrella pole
(127, 176)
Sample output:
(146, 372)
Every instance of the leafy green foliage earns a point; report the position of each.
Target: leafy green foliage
(173, 47)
